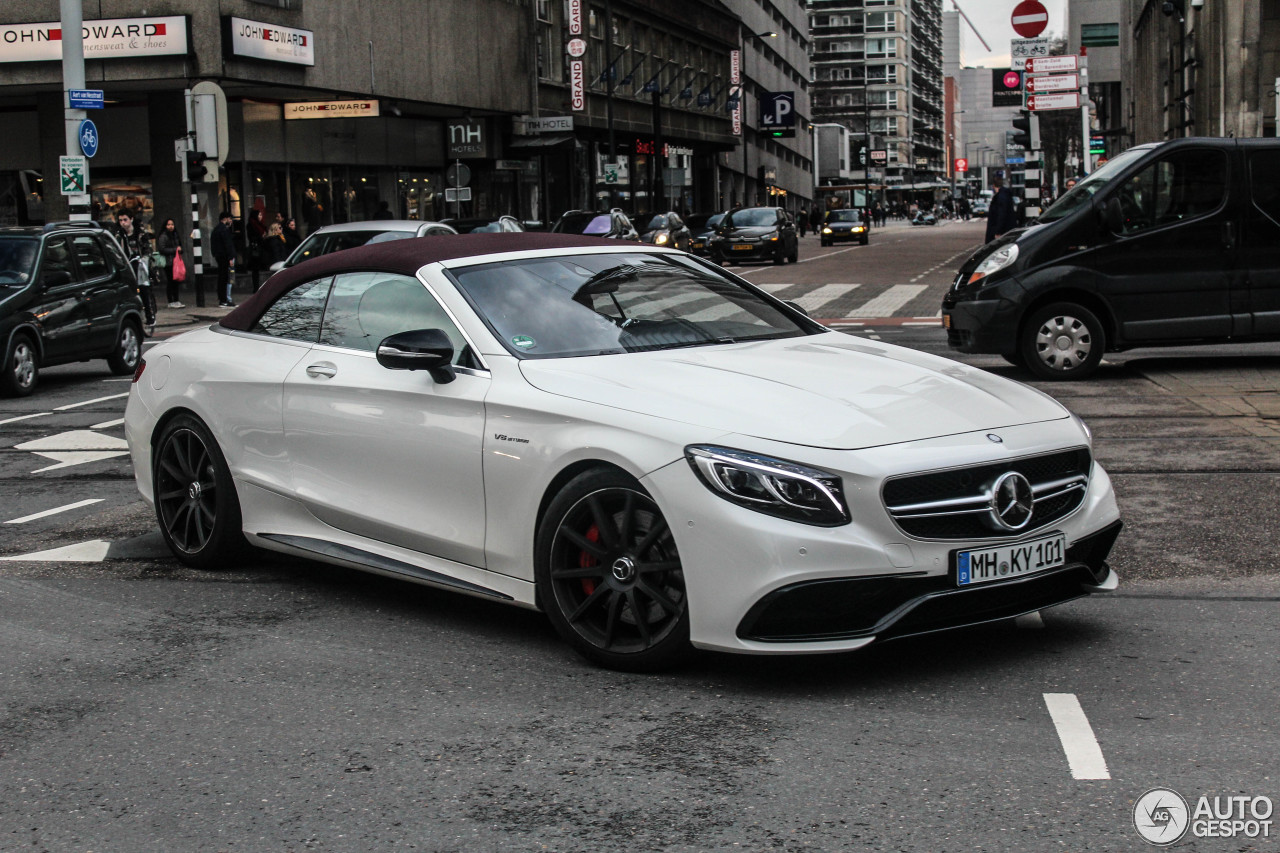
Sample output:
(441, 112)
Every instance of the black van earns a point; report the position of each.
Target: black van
(67, 293)
(1167, 244)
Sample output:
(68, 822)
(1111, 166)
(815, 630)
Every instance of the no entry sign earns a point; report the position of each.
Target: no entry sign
(1030, 17)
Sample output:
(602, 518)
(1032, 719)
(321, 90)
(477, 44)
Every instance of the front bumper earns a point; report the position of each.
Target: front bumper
(764, 585)
(987, 325)
(739, 250)
(846, 236)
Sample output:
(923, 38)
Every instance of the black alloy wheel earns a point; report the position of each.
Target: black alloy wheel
(195, 498)
(609, 575)
(124, 358)
(21, 367)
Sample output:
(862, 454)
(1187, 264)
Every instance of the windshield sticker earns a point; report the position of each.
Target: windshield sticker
(524, 342)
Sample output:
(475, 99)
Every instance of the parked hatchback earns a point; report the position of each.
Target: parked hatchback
(67, 293)
(1167, 244)
(756, 234)
(665, 229)
(613, 224)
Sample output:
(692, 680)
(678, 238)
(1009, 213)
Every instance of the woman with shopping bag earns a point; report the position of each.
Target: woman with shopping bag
(169, 247)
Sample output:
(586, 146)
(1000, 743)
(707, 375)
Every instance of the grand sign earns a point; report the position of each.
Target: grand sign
(110, 38)
(271, 42)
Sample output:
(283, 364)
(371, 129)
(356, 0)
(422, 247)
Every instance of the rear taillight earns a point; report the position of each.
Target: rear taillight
(142, 365)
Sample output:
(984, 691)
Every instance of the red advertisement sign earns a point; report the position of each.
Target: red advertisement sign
(577, 88)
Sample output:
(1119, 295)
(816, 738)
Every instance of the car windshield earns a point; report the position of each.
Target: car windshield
(322, 243)
(1081, 193)
(704, 221)
(585, 223)
(603, 304)
(656, 222)
(752, 217)
(844, 216)
(17, 260)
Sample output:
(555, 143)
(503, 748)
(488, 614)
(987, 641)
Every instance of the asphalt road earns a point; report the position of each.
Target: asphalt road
(284, 705)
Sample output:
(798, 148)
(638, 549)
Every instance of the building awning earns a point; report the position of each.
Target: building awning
(548, 140)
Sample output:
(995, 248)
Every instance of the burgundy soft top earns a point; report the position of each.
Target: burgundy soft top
(402, 256)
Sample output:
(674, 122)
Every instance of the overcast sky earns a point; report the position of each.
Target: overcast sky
(991, 17)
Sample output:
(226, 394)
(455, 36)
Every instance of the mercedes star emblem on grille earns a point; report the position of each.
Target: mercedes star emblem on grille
(1012, 501)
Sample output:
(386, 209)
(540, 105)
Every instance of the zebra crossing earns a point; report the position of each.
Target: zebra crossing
(855, 301)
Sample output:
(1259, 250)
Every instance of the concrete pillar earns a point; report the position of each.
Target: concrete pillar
(52, 131)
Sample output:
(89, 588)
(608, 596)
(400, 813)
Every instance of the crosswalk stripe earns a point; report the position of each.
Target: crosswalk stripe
(888, 302)
(827, 293)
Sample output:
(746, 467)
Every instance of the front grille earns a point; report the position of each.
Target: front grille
(955, 504)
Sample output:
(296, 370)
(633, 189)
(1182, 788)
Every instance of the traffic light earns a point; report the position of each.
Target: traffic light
(195, 166)
(1022, 124)
(782, 133)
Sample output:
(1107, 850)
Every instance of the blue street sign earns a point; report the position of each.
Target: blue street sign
(85, 99)
(88, 138)
(1013, 161)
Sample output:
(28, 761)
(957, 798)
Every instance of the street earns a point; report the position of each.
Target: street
(287, 705)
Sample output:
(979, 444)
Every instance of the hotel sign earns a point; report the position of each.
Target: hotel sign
(270, 42)
(110, 38)
(331, 109)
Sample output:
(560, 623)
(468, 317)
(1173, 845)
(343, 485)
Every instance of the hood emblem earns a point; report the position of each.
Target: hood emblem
(1012, 501)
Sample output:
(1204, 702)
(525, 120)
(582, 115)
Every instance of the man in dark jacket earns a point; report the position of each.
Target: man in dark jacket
(224, 253)
(1001, 217)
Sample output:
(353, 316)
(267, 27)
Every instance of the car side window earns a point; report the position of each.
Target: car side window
(366, 308)
(296, 315)
(1184, 185)
(57, 258)
(115, 256)
(89, 254)
(1264, 182)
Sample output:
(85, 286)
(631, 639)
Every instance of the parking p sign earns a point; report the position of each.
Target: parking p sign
(778, 114)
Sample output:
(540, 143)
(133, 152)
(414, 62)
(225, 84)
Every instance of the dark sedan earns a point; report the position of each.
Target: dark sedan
(613, 224)
(702, 226)
(665, 229)
(844, 225)
(756, 234)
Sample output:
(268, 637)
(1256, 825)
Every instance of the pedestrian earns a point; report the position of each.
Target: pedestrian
(254, 234)
(137, 248)
(384, 211)
(224, 254)
(865, 216)
(292, 238)
(815, 218)
(802, 220)
(276, 250)
(1000, 216)
(169, 244)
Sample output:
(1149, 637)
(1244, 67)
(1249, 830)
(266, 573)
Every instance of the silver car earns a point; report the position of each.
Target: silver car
(348, 235)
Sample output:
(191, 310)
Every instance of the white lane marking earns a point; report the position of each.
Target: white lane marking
(1084, 756)
(814, 298)
(76, 447)
(108, 424)
(888, 302)
(91, 402)
(93, 551)
(25, 417)
(1029, 620)
(55, 511)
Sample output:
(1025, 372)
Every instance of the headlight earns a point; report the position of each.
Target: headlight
(661, 238)
(826, 230)
(859, 228)
(772, 236)
(771, 486)
(996, 261)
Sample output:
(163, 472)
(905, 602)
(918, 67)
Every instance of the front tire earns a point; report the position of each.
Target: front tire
(609, 575)
(21, 369)
(123, 360)
(1063, 341)
(195, 497)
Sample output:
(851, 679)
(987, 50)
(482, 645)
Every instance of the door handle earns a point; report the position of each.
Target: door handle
(1229, 235)
(328, 371)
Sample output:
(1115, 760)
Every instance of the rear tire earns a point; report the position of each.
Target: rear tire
(1063, 341)
(20, 372)
(123, 360)
(195, 497)
(609, 576)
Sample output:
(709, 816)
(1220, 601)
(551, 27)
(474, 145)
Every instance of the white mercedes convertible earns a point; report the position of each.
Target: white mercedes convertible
(654, 452)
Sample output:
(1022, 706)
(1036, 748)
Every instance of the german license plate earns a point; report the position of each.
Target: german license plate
(698, 244)
(1010, 561)
(743, 247)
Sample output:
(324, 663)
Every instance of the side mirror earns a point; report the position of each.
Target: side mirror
(795, 306)
(55, 278)
(1113, 216)
(422, 349)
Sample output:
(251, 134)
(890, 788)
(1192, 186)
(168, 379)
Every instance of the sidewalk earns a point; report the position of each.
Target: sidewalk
(175, 321)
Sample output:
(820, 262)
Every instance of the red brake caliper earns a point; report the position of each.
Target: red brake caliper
(586, 561)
